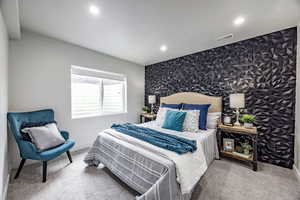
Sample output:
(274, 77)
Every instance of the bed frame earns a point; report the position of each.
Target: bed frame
(148, 164)
(194, 98)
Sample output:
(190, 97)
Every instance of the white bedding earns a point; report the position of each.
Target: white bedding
(208, 138)
(190, 166)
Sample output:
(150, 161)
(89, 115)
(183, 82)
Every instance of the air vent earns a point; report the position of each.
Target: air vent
(224, 37)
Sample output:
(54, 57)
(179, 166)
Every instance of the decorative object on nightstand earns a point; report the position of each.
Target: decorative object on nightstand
(145, 109)
(228, 144)
(246, 152)
(227, 120)
(239, 149)
(151, 100)
(146, 117)
(248, 120)
(237, 101)
(246, 147)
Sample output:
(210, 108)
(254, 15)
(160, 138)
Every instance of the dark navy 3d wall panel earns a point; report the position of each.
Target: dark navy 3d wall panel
(264, 68)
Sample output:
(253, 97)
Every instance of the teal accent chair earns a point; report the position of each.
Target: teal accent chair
(27, 149)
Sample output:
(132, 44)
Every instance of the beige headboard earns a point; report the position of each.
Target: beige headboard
(194, 98)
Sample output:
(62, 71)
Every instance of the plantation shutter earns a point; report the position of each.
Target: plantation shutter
(97, 92)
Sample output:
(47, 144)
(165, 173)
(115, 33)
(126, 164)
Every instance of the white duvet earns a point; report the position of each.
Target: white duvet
(189, 166)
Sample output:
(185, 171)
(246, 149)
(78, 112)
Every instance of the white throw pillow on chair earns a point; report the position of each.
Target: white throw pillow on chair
(45, 137)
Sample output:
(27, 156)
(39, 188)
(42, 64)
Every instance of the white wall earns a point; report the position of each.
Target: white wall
(39, 77)
(3, 107)
(297, 121)
(10, 12)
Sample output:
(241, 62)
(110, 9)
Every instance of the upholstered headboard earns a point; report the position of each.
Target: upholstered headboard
(194, 98)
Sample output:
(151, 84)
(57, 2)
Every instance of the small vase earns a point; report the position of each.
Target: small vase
(248, 125)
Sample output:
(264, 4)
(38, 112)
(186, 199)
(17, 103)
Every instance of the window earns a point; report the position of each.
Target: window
(97, 93)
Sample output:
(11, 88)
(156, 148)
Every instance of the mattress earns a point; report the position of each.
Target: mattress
(150, 170)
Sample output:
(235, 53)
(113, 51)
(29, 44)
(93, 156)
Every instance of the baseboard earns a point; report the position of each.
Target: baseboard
(5, 188)
(297, 172)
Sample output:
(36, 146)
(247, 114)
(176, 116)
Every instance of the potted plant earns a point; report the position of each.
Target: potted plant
(247, 147)
(248, 120)
(146, 109)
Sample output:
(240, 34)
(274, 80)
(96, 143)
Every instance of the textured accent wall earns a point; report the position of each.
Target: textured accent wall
(264, 68)
(297, 122)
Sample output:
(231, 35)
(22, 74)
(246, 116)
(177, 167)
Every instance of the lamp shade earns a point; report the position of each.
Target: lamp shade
(151, 99)
(237, 100)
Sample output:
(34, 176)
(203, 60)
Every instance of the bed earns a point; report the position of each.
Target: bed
(153, 172)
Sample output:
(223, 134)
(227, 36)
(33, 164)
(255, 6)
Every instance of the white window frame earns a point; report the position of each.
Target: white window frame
(84, 71)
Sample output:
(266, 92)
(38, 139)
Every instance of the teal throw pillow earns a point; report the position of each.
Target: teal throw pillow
(174, 120)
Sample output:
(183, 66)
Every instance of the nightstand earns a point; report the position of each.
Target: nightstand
(146, 117)
(239, 130)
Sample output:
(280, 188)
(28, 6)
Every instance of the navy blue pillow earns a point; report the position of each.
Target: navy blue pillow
(174, 106)
(203, 112)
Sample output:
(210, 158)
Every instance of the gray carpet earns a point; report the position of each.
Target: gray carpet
(224, 180)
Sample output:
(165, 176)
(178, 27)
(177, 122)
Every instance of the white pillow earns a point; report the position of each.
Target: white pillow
(160, 117)
(213, 119)
(45, 137)
(191, 122)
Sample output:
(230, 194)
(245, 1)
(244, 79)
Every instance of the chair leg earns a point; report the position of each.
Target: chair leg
(69, 156)
(20, 167)
(44, 171)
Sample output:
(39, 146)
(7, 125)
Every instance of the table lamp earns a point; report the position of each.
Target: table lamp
(151, 100)
(237, 101)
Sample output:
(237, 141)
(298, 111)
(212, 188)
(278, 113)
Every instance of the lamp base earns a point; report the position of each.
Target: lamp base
(237, 113)
(237, 123)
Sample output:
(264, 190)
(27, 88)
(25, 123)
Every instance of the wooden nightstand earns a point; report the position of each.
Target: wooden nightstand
(146, 117)
(239, 130)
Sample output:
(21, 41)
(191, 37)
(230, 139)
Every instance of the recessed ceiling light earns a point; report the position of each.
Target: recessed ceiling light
(239, 21)
(94, 10)
(163, 48)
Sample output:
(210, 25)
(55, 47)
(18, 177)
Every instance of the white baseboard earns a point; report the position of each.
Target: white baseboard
(5, 188)
(297, 172)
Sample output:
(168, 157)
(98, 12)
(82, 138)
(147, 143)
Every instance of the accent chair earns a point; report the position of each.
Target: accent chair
(27, 149)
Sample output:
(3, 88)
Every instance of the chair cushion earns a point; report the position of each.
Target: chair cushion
(45, 137)
(54, 152)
